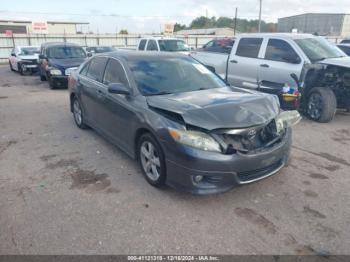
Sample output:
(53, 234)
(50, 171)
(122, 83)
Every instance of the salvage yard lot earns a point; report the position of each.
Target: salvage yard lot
(68, 191)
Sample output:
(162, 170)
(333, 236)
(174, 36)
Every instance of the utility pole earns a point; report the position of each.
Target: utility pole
(206, 13)
(260, 2)
(235, 24)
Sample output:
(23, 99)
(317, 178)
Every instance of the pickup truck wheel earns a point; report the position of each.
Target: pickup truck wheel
(11, 66)
(321, 104)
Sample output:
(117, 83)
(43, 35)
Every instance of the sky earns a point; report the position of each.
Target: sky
(149, 16)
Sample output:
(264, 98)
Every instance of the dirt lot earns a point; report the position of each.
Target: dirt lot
(68, 191)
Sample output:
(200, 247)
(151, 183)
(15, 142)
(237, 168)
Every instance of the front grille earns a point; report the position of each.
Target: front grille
(30, 61)
(251, 140)
(257, 173)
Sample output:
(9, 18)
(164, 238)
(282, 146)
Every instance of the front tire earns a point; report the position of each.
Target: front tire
(321, 104)
(78, 114)
(20, 69)
(11, 68)
(52, 83)
(152, 160)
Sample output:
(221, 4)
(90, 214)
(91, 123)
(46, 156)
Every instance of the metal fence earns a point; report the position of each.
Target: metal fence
(120, 41)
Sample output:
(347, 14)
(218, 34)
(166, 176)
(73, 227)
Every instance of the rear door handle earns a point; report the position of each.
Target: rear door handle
(234, 61)
(265, 65)
(100, 93)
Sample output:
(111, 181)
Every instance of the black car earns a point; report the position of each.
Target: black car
(187, 128)
(58, 60)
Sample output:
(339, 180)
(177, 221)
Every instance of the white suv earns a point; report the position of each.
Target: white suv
(163, 44)
(24, 58)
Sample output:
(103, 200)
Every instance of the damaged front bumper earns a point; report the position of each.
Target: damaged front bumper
(203, 172)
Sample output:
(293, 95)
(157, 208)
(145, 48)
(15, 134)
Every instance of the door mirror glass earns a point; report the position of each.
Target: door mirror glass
(89, 54)
(118, 88)
(13, 54)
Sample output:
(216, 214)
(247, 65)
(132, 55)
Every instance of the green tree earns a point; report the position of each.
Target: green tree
(178, 27)
(123, 32)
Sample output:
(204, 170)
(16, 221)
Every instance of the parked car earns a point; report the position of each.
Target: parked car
(265, 62)
(58, 60)
(163, 44)
(186, 127)
(24, 59)
(345, 48)
(91, 50)
(345, 41)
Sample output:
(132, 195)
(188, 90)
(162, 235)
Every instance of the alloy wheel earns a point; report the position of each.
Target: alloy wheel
(77, 112)
(150, 160)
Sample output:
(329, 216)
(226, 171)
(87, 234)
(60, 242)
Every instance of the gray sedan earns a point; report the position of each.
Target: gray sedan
(186, 127)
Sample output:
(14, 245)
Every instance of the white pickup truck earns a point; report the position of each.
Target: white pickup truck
(265, 62)
(163, 44)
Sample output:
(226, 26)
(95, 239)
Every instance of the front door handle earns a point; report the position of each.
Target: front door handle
(234, 61)
(100, 93)
(265, 65)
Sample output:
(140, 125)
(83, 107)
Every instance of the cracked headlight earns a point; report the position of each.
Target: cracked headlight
(195, 139)
(287, 119)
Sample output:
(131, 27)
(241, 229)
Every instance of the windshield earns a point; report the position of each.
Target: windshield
(64, 52)
(104, 49)
(30, 50)
(173, 45)
(318, 48)
(173, 75)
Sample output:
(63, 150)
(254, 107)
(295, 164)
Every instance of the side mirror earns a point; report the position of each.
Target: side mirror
(295, 78)
(89, 54)
(13, 54)
(42, 57)
(118, 88)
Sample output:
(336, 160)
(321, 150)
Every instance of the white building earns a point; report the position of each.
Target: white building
(225, 31)
(54, 27)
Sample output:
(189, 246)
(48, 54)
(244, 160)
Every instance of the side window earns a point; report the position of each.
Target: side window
(96, 68)
(279, 50)
(142, 44)
(249, 47)
(115, 73)
(152, 45)
(85, 69)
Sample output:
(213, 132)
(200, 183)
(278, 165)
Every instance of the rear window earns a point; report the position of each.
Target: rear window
(152, 45)
(96, 68)
(142, 44)
(249, 47)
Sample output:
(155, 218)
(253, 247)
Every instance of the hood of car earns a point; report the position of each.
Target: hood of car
(29, 57)
(340, 61)
(66, 63)
(219, 108)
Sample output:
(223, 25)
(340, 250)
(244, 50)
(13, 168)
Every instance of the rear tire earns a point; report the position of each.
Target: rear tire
(321, 104)
(151, 159)
(78, 114)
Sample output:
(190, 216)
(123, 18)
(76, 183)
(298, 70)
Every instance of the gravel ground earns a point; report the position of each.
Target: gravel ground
(68, 191)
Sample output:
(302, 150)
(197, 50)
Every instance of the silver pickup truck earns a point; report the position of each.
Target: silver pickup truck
(265, 62)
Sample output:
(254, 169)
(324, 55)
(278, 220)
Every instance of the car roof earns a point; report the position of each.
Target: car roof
(280, 35)
(136, 55)
(27, 46)
(49, 44)
(160, 38)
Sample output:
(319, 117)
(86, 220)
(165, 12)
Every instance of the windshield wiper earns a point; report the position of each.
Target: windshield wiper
(159, 93)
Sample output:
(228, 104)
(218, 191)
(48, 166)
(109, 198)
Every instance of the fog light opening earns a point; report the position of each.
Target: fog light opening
(197, 179)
